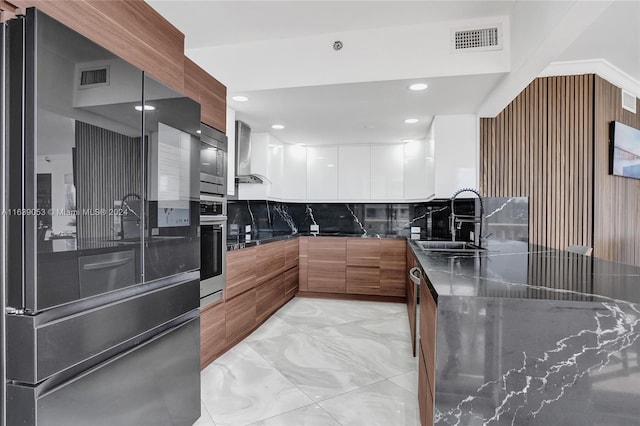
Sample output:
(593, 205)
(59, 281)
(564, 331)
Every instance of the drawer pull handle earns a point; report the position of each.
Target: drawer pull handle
(415, 274)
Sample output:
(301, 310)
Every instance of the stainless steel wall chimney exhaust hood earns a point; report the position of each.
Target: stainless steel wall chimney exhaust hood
(243, 155)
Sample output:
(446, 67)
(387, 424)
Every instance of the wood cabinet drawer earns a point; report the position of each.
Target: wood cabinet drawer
(326, 264)
(363, 280)
(269, 260)
(425, 393)
(363, 252)
(291, 254)
(269, 297)
(240, 316)
(212, 333)
(241, 271)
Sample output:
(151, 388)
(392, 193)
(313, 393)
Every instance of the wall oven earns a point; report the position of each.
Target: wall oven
(213, 161)
(213, 248)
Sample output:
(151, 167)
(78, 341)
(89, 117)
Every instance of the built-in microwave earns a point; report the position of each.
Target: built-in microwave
(213, 161)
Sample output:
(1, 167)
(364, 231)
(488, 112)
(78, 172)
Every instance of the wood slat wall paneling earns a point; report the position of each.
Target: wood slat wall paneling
(616, 199)
(541, 146)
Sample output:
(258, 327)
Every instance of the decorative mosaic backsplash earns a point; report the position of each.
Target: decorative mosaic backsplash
(269, 219)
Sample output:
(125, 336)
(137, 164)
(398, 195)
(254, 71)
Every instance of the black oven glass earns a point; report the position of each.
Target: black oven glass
(210, 251)
(211, 160)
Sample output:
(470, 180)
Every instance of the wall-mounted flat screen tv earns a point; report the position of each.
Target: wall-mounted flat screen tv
(625, 150)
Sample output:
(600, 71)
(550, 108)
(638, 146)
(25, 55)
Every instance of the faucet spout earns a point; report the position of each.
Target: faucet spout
(455, 220)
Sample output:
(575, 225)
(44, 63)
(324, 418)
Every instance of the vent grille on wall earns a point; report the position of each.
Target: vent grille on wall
(628, 101)
(94, 77)
(476, 39)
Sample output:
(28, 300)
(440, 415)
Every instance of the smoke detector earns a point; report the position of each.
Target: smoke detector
(337, 45)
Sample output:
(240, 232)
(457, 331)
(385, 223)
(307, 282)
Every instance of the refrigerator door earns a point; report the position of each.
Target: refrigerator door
(76, 159)
(148, 385)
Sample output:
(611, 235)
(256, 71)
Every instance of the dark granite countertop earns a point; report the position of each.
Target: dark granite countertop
(533, 336)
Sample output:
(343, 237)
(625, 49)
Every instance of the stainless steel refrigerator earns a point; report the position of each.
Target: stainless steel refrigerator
(100, 236)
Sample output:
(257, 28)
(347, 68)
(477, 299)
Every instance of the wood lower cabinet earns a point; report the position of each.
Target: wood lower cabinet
(291, 282)
(291, 253)
(240, 316)
(425, 393)
(269, 297)
(327, 264)
(269, 260)
(376, 266)
(212, 333)
(303, 263)
(412, 299)
(427, 353)
(241, 271)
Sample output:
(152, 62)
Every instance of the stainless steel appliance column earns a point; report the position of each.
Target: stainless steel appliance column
(3, 226)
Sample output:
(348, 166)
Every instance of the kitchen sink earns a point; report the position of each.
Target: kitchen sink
(449, 246)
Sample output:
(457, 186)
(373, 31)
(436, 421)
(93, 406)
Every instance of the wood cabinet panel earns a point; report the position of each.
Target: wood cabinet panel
(269, 297)
(327, 264)
(291, 254)
(240, 316)
(212, 333)
(363, 252)
(269, 260)
(291, 282)
(425, 394)
(363, 280)
(412, 300)
(241, 271)
(209, 92)
(393, 267)
(303, 263)
(428, 326)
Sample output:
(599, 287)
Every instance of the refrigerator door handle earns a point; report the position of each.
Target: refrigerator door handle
(105, 265)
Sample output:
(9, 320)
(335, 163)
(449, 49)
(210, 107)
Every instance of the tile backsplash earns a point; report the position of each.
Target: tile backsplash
(268, 219)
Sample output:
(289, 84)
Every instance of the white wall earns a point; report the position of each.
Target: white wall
(423, 50)
(456, 153)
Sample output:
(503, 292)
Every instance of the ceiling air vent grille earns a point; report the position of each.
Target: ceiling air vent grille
(474, 39)
(94, 77)
(628, 101)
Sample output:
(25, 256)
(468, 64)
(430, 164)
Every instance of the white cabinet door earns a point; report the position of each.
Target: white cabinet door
(418, 170)
(275, 158)
(387, 176)
(322, 173)
(354, 172)
(295, 172)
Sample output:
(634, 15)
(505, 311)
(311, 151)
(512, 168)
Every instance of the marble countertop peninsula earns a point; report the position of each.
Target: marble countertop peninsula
(533, 336)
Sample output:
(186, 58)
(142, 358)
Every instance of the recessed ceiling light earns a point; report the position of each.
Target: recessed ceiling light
(146, 107)
(240, 98)
(418, 86)
(198, 131)
(330, 165)
(411, 120)
(277, 126)
(409, 140)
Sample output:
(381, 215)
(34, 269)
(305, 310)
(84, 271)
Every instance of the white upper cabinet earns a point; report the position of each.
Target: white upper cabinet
(275, 161)
(295, 172)
(322, 173)
(456, 151)
(354, 172)
(387, 172)
(418, 170)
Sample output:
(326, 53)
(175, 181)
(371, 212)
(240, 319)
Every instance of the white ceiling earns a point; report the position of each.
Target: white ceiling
(373, 111)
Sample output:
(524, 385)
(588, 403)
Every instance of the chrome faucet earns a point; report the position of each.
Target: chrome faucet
(456, 221)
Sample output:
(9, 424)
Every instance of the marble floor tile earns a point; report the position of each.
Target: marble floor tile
(380, 404)
(309, 314)
(312, 367)
(380, 345)
(408, 381)
(240, 388)
(205, 419)
(311, 415)
(273, 327)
